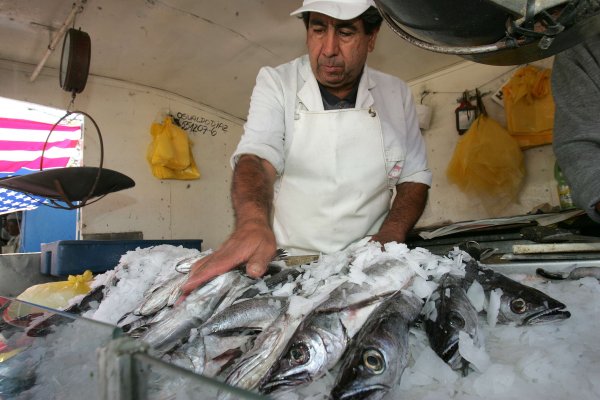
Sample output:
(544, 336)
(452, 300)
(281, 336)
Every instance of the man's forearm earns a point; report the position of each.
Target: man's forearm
(252, 190)
(406, 209)
(252, 242)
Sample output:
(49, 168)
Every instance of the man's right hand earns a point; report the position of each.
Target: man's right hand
(252, 243)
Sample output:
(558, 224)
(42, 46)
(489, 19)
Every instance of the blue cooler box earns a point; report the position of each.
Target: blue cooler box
(73, 257)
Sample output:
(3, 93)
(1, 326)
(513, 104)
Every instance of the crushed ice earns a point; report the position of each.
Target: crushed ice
(551, 362)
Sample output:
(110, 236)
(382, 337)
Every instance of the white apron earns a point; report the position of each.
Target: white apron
(333, 190)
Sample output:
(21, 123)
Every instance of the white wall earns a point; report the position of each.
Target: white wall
(446, 202)
(201, 208)
(167, 209)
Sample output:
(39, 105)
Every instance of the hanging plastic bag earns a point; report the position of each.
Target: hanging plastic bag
(488, 163)
(529, 106)
(56, 295)
(170, 152)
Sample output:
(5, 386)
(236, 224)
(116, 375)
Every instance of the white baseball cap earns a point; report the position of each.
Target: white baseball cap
(338, 9)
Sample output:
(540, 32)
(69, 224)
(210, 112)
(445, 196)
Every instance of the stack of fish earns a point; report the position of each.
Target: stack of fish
(347, 315)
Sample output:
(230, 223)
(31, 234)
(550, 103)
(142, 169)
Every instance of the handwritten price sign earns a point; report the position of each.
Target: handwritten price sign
(195, 124)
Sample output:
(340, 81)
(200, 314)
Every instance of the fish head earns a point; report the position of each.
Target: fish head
(454, 314)
(456, 311)
(519, 303)
(376, 358)
(455, 322)
(374, 361)
(367, 376)
(303, 359)
(525, 305)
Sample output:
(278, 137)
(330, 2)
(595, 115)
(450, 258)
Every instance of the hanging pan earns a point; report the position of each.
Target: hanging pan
(72, 187)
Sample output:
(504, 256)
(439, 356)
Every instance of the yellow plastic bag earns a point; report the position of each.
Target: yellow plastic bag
(58, 294)
(529, 106)
(488, 163)
(170, 152)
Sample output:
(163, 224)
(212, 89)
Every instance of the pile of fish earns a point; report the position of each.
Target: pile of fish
(347, 315)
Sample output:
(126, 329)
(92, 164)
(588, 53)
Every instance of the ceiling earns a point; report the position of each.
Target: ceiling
(205, 50)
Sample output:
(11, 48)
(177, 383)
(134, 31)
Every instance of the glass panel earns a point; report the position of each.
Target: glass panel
(157, 380)
(47, 354)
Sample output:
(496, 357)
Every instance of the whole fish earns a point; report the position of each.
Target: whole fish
(250, 288)
(191, 313)
(317, 346)
(322, 338)
(229, 333)
(376, 358)
(245, 315)
(448, 312)
(519, 303)
(251, 370)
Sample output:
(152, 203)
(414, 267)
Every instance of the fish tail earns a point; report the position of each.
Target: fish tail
(549, 275)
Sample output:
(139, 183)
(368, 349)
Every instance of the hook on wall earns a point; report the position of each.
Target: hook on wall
(424, 94)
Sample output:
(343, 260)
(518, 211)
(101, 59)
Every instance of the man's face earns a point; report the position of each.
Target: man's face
(338, 51)
(12, 227)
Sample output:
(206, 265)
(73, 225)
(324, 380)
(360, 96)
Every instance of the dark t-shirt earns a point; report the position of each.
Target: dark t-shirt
(331, 102)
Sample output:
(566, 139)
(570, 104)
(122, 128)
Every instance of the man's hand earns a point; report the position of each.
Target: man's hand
(407, 207)
(252, 243)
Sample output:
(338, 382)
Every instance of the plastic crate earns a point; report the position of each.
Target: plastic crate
(73, 257)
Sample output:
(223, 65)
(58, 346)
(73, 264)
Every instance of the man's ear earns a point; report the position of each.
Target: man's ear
(372, 40)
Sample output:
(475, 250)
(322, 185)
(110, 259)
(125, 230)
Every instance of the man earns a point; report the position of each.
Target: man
(13, 228)
(576, 91)
(326, 141)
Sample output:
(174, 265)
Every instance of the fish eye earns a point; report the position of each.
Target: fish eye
(518, 306)
(373, 360)
(299, 354)
(456, 320)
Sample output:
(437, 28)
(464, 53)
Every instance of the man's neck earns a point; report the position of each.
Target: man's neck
(335, 99)
(339, 93)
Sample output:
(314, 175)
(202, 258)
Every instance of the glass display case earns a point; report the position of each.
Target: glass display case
(48, 354)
